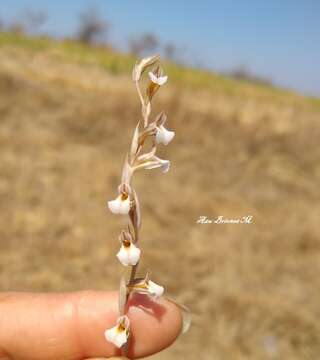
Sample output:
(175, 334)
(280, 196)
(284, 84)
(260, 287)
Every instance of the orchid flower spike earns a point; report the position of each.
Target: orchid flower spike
(119, 334)
(129, 254)
(121, 205)
(159, 80)
(163, 135)
(146, 286)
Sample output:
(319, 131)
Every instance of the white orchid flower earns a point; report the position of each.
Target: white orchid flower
(119, 334)
(121, 205)
(157, 162)
(146, 286)
(152, 163)
(155, 289)
(165, 165)
(163, 135)
(128, 254)
(159, 80)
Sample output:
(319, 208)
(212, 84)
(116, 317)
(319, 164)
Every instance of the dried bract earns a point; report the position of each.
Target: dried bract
(141, 66)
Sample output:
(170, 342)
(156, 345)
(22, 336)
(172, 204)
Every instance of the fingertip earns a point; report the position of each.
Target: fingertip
(155, 325)
(72, 326)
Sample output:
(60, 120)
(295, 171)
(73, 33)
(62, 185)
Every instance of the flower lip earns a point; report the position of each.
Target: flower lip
(119, 334)
(163, 135)
(129, 253)
(121, 205)
(165, 166)
(155, 289)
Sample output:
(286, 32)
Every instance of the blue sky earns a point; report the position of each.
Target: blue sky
(277, 39)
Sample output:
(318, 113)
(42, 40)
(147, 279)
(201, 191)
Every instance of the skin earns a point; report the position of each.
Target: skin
(70, 326)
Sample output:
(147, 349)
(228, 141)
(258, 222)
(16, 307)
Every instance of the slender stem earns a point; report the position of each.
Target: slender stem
(133, 273)
(134, 268)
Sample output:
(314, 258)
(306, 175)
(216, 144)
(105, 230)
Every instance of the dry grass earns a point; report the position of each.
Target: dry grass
(253, 289)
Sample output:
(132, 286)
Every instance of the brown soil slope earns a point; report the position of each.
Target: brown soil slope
(253, 289)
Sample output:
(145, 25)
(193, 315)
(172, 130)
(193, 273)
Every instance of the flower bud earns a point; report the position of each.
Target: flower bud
(159, 80)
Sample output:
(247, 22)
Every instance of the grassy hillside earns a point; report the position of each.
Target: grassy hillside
(66, 114)
(120, 63)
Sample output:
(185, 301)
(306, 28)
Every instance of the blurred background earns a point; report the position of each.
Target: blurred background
(243, 99)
